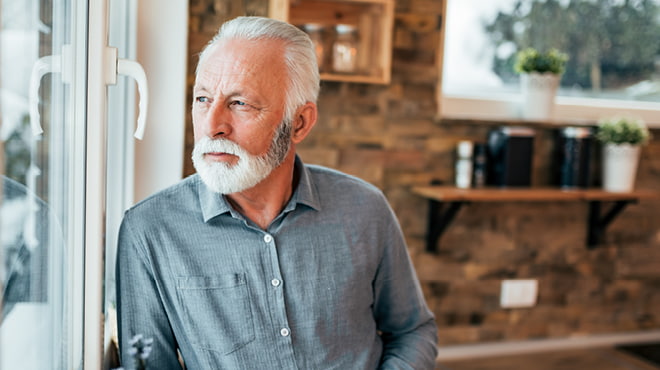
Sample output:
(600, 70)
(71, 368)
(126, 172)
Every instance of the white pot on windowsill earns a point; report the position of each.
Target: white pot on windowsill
(538, 93)
(540, 73)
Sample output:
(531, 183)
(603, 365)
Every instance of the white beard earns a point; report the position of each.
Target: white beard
(224, 178)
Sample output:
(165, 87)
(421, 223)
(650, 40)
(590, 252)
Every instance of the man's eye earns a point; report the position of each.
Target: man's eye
(238, 102)
(202, 99)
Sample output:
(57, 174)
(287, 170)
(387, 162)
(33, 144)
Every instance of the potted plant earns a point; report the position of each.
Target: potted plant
(539, 80)
(621, 138)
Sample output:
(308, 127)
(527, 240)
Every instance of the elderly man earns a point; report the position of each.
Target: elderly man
(260, 261)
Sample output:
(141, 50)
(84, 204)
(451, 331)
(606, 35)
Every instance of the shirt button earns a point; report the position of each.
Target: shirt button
(268, 238)
(284, 332)
(275, 282)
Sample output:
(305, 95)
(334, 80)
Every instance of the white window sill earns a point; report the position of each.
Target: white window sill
(574, 111)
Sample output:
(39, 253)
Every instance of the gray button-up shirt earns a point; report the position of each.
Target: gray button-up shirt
(329, 284)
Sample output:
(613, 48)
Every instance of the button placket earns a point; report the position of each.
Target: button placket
(276, 286)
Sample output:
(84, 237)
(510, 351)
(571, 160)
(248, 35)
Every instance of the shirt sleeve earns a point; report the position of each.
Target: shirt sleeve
(139, 306)
(408, 328)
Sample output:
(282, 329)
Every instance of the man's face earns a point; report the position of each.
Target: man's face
(239, 98)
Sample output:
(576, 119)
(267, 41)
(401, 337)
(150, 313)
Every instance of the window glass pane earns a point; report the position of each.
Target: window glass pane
(41, 320)
(613, 45)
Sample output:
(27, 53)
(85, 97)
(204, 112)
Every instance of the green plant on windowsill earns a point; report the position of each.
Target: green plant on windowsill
(531, 60)
(622, 130)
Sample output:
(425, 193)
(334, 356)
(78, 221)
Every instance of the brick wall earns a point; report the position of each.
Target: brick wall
(389, 135)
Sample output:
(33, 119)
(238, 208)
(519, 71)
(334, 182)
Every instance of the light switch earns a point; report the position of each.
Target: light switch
(519, 293)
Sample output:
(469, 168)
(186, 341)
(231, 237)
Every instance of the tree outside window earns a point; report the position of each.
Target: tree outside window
(613, 45)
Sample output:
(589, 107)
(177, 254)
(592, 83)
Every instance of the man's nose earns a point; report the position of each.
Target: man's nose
(219, 122)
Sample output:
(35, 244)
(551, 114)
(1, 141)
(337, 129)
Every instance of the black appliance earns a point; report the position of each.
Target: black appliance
(510, 154)
(572, 159)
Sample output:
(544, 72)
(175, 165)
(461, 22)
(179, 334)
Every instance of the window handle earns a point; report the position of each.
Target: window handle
(54, 64)
(43, 66)
(117, 66)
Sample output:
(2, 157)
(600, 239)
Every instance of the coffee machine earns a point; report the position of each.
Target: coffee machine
(510, 152)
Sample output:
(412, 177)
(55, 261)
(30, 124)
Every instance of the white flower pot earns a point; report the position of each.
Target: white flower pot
(620, 167)
(538, 92)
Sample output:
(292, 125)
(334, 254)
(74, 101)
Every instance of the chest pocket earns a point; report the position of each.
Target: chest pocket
(216, 311)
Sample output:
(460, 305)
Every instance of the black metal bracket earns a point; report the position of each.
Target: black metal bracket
(440, 216)
(596, 224)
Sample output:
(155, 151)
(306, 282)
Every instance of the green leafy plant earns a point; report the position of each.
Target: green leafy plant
(531, 60)
(622, 130)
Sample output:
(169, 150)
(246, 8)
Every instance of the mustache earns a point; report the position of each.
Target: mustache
(208, 145)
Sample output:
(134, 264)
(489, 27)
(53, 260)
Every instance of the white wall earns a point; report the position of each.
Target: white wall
(162, 49)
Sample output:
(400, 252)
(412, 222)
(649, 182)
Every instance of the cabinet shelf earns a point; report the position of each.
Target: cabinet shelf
(446, 201)
(374, 20)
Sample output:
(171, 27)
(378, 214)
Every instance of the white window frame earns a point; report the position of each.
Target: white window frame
(148, 165)
(164, 47)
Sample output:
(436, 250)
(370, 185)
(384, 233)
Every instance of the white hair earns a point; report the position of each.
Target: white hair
(299, 55)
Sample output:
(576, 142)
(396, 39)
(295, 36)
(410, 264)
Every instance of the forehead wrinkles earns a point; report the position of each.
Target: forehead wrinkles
(251, 62)
(216, 72)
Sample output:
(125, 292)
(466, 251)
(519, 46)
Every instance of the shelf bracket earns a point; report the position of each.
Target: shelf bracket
(440, 216)
(597, 224)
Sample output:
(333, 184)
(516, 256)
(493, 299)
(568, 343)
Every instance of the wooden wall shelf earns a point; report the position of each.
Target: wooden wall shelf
(446, 201)
(374, 20)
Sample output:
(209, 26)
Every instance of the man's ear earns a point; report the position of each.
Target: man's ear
(303, 122)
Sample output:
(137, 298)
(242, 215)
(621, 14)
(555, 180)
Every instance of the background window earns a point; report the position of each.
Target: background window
(613, 46)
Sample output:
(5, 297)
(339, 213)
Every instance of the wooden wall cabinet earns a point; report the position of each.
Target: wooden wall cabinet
(374, 20)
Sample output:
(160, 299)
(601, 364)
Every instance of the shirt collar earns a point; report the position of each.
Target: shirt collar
(213, 204)
(306, 192)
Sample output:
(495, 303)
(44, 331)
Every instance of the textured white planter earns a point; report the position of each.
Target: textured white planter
(538, 91)
(620, 167)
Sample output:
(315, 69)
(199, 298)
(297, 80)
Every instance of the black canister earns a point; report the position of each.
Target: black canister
(573, 159)
(479, 165)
